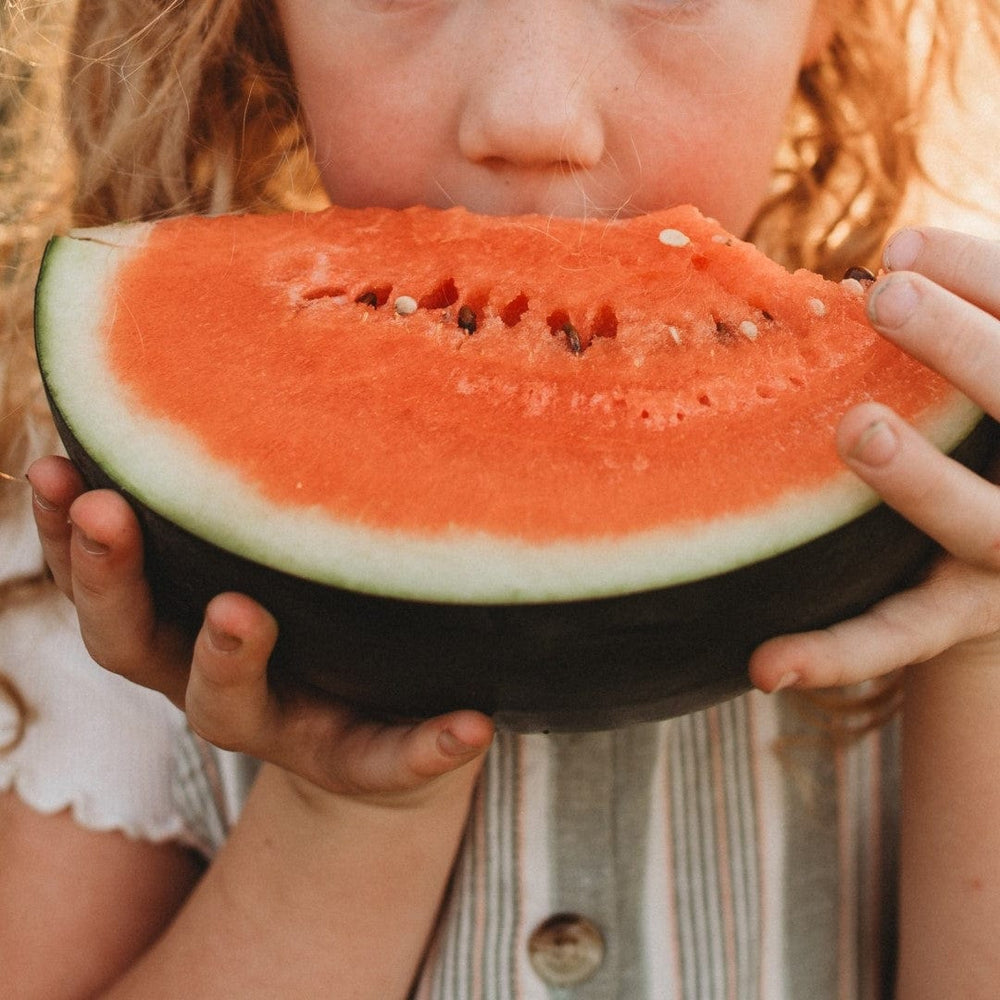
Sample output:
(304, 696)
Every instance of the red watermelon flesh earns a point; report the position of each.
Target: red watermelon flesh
(701, 356)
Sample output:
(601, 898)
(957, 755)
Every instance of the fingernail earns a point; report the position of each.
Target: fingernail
(222, 641)
(877, 445)
(450, 745)
(89, 545)
(892, 301)
(902, 250)
(788, 680)
(42, 503)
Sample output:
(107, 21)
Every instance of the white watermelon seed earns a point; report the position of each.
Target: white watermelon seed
(405, 305)
(749, 330)
(817, 307)
(674, 238)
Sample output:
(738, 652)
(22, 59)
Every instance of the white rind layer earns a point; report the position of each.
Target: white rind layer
(167, 470)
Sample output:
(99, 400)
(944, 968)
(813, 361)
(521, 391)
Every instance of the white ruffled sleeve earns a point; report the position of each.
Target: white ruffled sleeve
(94, 742)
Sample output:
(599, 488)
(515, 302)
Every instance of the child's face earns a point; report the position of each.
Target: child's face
(569, 107)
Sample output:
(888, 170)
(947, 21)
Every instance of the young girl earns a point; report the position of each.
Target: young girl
(732, 853)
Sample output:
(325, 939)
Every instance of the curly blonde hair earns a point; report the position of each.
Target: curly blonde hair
(209, 120)
(35, 187)
(177, 106)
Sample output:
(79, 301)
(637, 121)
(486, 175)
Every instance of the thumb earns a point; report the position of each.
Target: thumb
(447, 742)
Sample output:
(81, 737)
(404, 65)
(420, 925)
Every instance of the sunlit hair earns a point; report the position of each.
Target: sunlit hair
(852, 147)
(184, 107)
(34, 194)
(178, 106)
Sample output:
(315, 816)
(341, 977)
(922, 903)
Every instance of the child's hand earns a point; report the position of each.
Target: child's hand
(93, 546)
(942, 305)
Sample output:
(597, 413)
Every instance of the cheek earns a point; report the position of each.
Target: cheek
(717, 161)
(710, 110)
(736, 168)
(717, 151)
(372, 145)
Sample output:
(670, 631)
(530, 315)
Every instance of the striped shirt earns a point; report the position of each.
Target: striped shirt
(733, 854)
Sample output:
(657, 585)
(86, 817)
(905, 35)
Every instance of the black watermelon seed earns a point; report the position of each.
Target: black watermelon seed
(467, 319)
(861, 274)
(572, 338)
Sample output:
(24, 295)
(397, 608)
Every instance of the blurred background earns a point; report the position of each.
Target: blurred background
(963, 147)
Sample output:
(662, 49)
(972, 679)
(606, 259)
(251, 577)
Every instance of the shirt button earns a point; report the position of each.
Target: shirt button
(566, 949)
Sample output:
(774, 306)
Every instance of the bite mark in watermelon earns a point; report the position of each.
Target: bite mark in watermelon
(568, 471)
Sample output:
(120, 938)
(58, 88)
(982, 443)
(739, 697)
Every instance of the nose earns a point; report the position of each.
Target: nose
(532, 98)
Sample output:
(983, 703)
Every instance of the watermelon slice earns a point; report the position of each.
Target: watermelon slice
(569, 472)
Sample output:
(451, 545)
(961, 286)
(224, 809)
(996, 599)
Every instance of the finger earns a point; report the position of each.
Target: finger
(113, 601)
(967, 265)
(342, 750)
(947, 501)
(955, 604)
(408, 757)
(228, 701)
(943, 330)
(55, 484)
(231, 703)
(404, 761)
